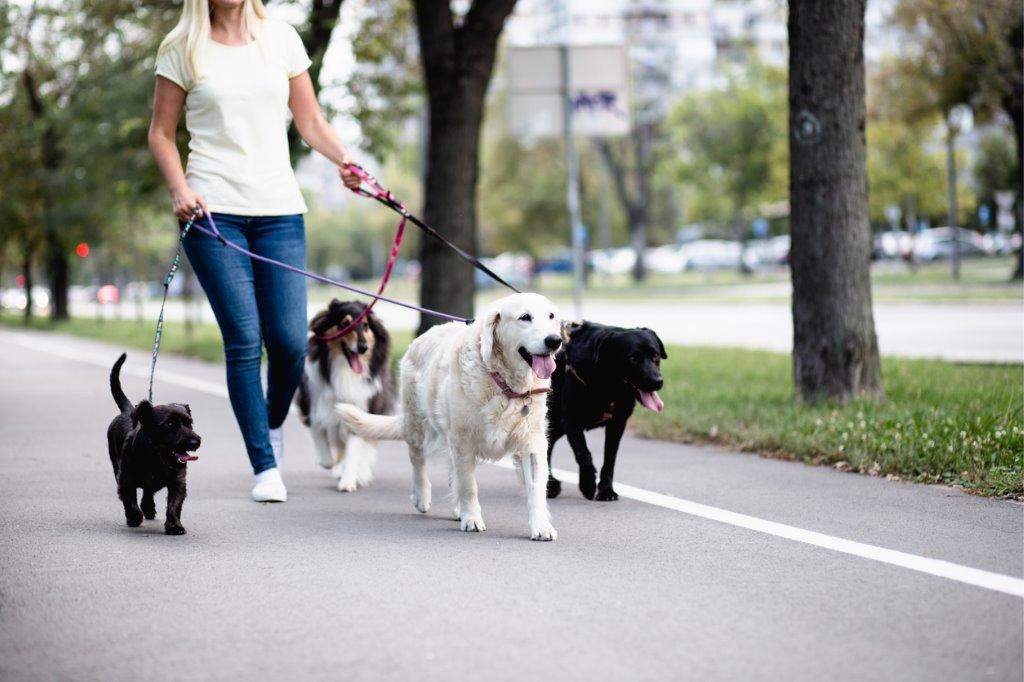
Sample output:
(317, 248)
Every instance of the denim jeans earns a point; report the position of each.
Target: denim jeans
(255, 305)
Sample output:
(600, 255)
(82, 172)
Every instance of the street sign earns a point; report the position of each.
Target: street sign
(598, 91)
(984, 215)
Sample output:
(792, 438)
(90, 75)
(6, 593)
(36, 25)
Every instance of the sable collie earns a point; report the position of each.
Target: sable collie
(354, 369)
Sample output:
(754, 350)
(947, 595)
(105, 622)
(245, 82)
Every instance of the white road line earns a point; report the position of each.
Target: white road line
(936, 567)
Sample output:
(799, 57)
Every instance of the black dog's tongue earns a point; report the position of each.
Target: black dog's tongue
(185, 457)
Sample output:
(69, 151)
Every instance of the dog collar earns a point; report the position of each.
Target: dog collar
(509, 393)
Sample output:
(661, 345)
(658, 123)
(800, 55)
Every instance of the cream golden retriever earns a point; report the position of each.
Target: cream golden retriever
(477, 392)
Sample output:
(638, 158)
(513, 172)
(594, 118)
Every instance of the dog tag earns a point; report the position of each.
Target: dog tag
(526, 409)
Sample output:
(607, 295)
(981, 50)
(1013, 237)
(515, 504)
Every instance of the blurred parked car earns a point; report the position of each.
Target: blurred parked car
(717, 254)
(1003, 243)
(937, 244)
(14, 299)
(613, 261)
(668, 259)
(108, 293)
(559, 262)
(893, 244)
(773, 251)
(514, 268)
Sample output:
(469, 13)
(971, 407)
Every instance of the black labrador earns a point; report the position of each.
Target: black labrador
(601, 372)
(150, 447)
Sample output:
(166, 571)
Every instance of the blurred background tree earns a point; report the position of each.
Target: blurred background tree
(732, 147)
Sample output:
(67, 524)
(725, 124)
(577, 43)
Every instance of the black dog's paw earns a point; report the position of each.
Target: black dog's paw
(588, 482)
(150, 514)
(133, 518)
(606, 494)
(174, 530)
(554, 488)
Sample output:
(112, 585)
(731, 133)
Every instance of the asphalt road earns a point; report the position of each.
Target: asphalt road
(359, 586)
(982, 331)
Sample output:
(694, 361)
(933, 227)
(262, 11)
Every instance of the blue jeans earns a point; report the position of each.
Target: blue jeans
(256, 304)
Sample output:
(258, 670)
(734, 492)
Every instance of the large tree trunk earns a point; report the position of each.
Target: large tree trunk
(835, 350)
(457, 66)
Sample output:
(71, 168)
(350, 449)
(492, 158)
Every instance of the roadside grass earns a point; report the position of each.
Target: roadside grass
(203, 342)
(960, 424)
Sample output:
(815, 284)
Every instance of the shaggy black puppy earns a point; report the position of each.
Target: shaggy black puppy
(149, 447)
(601, 372)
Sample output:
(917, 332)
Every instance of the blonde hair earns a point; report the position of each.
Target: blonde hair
(193, 30)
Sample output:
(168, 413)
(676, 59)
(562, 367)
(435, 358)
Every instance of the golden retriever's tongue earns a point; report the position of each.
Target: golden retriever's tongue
(543, 366)
(651, 400)
(356, 363)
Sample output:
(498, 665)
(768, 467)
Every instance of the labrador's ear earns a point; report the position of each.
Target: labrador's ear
(143, 414)
(657, 340)
(335, 304)
(489, 337)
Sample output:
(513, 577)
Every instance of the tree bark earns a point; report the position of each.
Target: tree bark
(636, 204)
(457, 65)
(55, 251)
(26, 272)
(835, 350)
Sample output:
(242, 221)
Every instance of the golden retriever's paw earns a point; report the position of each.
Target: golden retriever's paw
(543, 533)
(346, 485)
(472, 524)
(421, 500)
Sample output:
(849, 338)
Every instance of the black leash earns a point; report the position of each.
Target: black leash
(175, 264)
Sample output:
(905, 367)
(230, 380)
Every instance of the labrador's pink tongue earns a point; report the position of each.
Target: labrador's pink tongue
(356, 363)
(543, 366)
(651, 400)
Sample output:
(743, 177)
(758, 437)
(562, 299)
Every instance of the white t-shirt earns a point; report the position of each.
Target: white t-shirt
(237, 117)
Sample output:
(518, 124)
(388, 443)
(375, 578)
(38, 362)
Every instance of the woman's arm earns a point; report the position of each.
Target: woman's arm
(168, 102)
(315, 129)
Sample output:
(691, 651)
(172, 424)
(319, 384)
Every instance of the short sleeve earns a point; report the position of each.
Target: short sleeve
(172, 66)
(296, 58)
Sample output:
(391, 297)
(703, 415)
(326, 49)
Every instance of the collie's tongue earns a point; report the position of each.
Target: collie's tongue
(543, 366)
(651, 400)
(355, 363)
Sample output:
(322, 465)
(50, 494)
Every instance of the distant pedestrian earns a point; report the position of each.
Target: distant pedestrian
(236, 74)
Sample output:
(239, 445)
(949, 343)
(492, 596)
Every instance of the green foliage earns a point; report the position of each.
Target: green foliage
(733, 154)
(900, 166)
(995, 168)
(940, 422)
(386, 87)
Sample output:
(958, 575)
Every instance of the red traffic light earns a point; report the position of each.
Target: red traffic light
(82, 250)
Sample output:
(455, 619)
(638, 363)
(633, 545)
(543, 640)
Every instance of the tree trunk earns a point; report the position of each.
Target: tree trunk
(57, 271)
(835, 350)
(457, 66)
(636, 205)
(26, 272)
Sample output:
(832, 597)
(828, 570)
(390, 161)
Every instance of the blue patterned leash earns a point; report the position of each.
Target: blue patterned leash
(175, 264)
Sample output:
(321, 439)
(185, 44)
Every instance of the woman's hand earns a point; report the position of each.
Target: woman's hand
(348, 178)
(184, 202)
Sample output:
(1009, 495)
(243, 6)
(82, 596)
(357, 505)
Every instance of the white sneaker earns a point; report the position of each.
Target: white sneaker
(277, 444)
(269, 487)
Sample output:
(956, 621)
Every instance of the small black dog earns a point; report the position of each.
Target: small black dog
(600, 374)
(149, 448)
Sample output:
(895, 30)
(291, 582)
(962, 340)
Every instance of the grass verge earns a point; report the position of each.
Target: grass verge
(961, 424)
(940, 422)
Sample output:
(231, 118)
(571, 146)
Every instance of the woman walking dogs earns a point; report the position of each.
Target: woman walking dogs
(236, 74)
